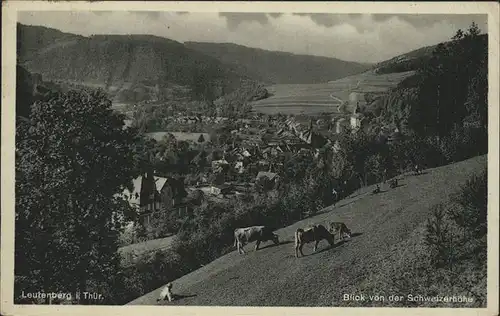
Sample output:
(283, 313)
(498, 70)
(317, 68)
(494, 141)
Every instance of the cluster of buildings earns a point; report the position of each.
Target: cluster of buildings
(254, 161)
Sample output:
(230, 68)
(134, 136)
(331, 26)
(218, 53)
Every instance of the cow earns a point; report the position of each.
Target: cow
(166, 293)
(335, 196)
(259, 234)
(376, 190)
(393, 183)
(341, 229)
(417, 169)
(315, 233)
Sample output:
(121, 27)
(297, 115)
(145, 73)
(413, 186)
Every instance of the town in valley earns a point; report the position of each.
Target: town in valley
(234, 159)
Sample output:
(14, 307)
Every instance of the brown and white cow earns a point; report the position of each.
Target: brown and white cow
(242, 236)
(341, 229)
(393, 183)
(315, 234)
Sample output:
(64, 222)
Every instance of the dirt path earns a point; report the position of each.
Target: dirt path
(272, 276)
(339, 100)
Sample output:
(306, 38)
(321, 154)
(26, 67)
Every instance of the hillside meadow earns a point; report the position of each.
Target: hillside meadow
(180, 136)
(312, 99)
(384, 226)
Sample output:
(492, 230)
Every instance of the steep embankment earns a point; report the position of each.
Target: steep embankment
(273, 277)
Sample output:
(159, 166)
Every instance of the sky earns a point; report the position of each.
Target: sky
(354, 37)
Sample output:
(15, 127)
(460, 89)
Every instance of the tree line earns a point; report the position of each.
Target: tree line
(445, 103)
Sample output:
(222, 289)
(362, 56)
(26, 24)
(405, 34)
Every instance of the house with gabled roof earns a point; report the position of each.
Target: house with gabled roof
(150, 194)
(266, 180)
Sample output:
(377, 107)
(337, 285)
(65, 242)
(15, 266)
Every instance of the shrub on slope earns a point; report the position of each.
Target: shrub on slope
(448, 255)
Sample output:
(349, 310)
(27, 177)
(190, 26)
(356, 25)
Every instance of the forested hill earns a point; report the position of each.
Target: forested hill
(126, 61)
(279, 67)
(410, 61)
(31, 39)
(119, 60)
(446, 100)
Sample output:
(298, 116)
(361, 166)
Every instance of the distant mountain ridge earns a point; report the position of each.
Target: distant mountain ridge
(139, 64)
(114, 60)
(279, 67)
(32, 38)
(142, 67)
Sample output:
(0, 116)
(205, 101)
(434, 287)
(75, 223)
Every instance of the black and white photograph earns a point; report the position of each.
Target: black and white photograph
(190, 156)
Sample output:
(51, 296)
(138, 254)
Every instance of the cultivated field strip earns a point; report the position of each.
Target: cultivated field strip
(297, 110)
(324, 97)
(298, 103)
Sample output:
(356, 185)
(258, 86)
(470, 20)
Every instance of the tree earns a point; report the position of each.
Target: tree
(201, 139)
(72, 157)
(356, 148)
(374, 166)
(24, 92)
(204, 83)
(449, 84)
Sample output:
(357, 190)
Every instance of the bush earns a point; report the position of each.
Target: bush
(464, 143)
(456, 238)
(439, 238)
(129, 236)
(462, 225)
(163, 224)
(439, 258)
(474, 205)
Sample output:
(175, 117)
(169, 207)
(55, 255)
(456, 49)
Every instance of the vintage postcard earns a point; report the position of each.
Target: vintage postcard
(249, 158)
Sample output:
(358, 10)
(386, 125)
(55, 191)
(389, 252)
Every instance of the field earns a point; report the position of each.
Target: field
(180, 136)
(311, 99)
(384, 227)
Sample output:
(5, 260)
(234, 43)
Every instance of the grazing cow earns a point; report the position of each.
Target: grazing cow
(393, 183)
(315, 233)
(335, 195)
(341, 229)
(166, 292)
(417, 169)
(376, 190)
(246, 235)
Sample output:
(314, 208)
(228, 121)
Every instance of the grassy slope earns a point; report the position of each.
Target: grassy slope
(273, 277)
